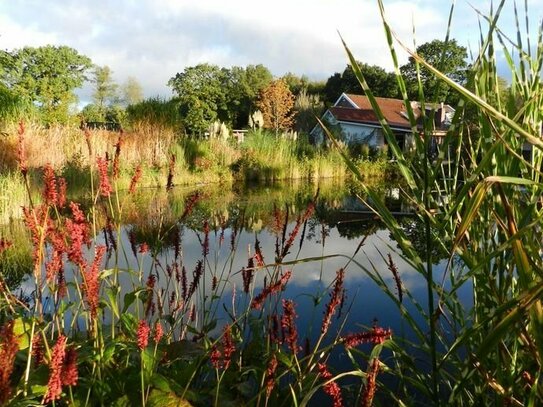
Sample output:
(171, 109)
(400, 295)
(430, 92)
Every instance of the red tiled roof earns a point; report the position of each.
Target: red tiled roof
(368, 116)
(391, 108)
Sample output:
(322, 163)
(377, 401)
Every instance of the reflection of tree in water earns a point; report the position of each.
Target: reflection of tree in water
(414, 229)
(16, 258)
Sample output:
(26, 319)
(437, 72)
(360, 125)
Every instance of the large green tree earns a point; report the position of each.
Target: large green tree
(244, 86)
(202, 96)
(447, 57)
(46, 76)
(381, 82)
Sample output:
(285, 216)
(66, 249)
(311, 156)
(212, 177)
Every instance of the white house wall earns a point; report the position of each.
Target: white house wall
(357, 134)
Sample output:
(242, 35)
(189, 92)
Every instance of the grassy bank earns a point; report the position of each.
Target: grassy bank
(161, 158)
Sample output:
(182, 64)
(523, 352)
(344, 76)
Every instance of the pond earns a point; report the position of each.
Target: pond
(208, 253)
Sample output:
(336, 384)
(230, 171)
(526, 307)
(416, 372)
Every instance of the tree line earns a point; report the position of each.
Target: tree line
(46, 77)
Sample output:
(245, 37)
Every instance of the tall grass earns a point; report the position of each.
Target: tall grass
(13, 195)
(265, 157)
(478, 202)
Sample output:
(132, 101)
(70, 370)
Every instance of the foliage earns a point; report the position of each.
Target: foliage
(307, 108)
(201, 96)
(105, 90)
(156, 112)
(381, 82)
(46, 76)
(132, 92)
(449, 58)
(243, 87)
(276, 102)
(12, 107)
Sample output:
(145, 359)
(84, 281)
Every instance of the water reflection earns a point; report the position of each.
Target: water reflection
(240, 216)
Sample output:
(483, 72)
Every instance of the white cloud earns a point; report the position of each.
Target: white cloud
(154, 39)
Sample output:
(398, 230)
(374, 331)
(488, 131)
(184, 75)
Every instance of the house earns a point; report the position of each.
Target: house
(352, 118)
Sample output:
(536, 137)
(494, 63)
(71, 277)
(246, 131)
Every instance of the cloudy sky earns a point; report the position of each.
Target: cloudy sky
(154, 39)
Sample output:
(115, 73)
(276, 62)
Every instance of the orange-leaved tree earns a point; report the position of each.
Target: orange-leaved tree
(276, 103)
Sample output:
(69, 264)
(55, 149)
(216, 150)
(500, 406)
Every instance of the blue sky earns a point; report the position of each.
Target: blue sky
(154, 39)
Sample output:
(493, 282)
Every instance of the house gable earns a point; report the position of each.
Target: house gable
(345, 101)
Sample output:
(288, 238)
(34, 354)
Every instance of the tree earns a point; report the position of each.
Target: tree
(276, 102)
(105, 89)
(449, 58)
(202, 96)
(244, 86)
(132, 92)
(45, 76)
(381, 82)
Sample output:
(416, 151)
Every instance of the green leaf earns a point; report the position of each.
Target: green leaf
(159, 398)
(161, 383)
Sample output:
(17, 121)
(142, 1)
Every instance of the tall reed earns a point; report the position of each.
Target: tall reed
(479, 202)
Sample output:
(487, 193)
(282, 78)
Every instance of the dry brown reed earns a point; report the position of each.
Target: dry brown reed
(61, 145)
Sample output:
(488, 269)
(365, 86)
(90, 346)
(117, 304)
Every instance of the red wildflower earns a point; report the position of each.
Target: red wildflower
(37, 349)
(278, 286)
(192, 313)
(205, 244)
(258, 254)
(335, 300)
(183, 281)
(247, 276)
(62, 192)
(135, 179)
(274, 329)
(299, 221)
(50, 193)
(159, 332)
(196, 275)
(143, 334)
(105, 186)
(190, 203)
(228, 346)
(53, 266)
(331, 388)
(215, 357)
(371, 378)
(8, 349)
(376, 336)
(32, 218)
(117, 156)
(61, 284)
(288, 324)
(144, 248)
(54, 386)
(394, 269)
(77, 214)
(79, 235)
(92, 281)
(69, 369)
(270, 375)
